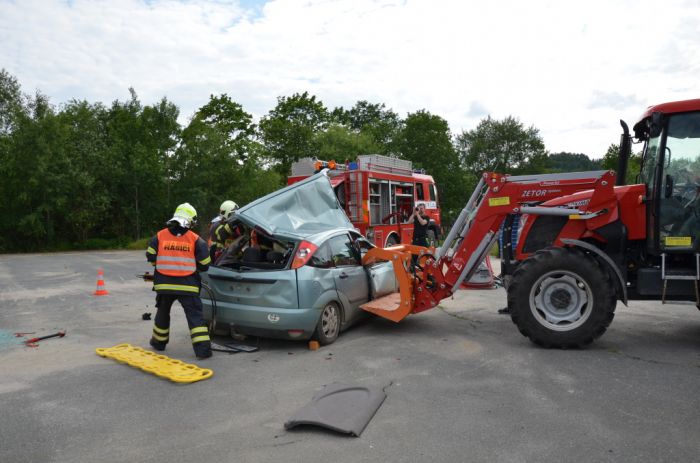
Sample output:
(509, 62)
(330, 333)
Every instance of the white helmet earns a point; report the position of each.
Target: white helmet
(185, 215)
(227, 207)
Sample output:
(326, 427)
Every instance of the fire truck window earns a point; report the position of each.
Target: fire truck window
(419, 192)
(432, 192)
(340, 193)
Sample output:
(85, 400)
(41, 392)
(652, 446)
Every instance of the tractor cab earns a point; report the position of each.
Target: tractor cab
(671, 173)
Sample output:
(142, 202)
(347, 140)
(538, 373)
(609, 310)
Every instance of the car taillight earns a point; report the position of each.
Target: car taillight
(304, 253)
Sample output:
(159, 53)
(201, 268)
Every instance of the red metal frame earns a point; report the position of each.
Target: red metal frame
(437, 278)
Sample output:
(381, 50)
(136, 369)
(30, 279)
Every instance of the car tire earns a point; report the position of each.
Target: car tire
(328, 326)
(561, 297)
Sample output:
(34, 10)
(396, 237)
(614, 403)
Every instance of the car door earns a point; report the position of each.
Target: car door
(382, 278)
(351, 280)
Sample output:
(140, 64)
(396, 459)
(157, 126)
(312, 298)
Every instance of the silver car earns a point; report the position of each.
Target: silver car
(295, 272)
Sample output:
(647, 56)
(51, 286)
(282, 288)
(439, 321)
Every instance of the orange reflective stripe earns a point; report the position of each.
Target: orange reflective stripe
(176, 254)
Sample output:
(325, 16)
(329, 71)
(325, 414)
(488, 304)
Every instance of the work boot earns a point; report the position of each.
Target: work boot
(202, 350)
(157, 345)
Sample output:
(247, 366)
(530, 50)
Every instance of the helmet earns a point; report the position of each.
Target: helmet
(185, 215)
(227, 207)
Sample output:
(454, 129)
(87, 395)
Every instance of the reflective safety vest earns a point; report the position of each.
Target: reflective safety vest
(176, 254)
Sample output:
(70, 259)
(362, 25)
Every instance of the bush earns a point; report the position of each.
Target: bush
(138, 245)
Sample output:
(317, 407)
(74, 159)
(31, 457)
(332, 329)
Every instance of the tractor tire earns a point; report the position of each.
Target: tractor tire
(561, 297)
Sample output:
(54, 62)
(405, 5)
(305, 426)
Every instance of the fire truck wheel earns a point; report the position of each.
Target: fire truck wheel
(393, 240)
(561, 297)
(328, 326)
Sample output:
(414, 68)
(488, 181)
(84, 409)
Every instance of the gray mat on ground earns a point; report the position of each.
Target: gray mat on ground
(340, 407)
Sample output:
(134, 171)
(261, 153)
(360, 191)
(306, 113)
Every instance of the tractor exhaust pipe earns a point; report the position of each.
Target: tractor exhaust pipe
(624, 155)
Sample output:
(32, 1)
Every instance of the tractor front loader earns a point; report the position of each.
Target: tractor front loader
(582, 241)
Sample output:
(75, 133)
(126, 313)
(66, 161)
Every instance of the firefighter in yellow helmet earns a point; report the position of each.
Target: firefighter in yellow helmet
(179, 254)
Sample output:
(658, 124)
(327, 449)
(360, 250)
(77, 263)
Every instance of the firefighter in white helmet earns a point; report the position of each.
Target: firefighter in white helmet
(222, 233)
(179, 254)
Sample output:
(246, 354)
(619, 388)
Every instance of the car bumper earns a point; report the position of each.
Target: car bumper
(265, 321)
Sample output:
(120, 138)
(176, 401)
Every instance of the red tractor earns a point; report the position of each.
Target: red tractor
(583, 241)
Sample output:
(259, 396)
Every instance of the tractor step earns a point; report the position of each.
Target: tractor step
(680, 274)
(160, 365)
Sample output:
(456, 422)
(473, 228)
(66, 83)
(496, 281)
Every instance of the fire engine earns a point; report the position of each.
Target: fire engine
(379, 194)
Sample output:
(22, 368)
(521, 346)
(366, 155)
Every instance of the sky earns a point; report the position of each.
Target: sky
(570, 69)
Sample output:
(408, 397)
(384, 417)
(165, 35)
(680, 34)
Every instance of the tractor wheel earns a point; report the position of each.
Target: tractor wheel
(561, 297)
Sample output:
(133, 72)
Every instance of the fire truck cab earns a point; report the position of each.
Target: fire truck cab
(379, 194)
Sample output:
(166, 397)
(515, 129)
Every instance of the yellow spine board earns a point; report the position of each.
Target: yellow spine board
(160, 365)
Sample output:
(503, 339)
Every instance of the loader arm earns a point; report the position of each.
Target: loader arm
(439, 272)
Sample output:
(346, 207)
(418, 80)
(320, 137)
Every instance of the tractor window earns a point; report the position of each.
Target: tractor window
(651, 158)
(680, 187)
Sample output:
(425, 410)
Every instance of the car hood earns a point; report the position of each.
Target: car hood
(298, 211)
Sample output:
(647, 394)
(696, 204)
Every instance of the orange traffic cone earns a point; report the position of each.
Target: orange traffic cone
(100, 291)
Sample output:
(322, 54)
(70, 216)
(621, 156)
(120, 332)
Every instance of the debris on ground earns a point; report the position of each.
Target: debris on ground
(343, 408)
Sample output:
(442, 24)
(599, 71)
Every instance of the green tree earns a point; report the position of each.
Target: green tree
(219, 158)
(427, 142)
(634, 163)
(289, 130)
(373, 120)
(139, 141)
(340, 143)
(571, 162)
(502, 146)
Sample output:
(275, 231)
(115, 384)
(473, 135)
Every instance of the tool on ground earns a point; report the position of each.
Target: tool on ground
(33, 341)
(19, 335)
(146, 316)
(157, 364)
(223, 348)
(101, 290)
(146, 276)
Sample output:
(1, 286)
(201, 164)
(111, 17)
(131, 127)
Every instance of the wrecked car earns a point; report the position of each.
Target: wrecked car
(295, 270)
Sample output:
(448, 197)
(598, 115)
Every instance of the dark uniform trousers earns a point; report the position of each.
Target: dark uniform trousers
(193, 311)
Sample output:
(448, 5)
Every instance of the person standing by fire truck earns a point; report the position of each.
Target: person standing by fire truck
(420, 226)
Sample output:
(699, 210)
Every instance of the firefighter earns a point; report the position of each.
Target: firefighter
(179, 254)
(225, 211)
(222, 234)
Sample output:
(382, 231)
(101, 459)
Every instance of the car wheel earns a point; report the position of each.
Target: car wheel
(328, 326)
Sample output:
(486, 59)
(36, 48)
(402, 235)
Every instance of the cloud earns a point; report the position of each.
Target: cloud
(613, 100)
(553, 65)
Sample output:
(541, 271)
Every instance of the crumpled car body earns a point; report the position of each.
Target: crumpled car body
(295, 270)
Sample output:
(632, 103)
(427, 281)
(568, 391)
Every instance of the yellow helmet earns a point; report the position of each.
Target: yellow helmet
(185, 215)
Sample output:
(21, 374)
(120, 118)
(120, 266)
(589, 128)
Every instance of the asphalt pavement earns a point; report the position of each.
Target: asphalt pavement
(462, 384)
